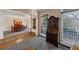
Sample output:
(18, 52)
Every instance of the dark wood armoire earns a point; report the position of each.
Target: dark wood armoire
(52, 31)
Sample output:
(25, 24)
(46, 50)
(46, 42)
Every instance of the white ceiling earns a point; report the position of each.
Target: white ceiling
(30, 10)
(42, 10)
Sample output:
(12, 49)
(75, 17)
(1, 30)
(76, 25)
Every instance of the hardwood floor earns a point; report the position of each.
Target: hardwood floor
(8, 41)
(35, 43)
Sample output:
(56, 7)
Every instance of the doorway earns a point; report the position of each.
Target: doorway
(43, 25)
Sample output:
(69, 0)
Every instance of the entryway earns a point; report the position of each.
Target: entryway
(43, 25)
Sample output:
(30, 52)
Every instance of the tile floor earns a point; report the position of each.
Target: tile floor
(37, 42)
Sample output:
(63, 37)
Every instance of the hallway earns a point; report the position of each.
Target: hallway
(17, 25)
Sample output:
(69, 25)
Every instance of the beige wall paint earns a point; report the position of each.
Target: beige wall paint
(51, 12)
(54, 12)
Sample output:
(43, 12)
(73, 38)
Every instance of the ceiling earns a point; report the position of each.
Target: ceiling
(42, 10)
(28, 11)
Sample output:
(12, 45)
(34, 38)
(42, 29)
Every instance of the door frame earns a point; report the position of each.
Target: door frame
(42, 14)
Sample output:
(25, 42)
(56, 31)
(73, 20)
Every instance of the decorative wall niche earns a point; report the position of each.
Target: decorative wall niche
(34, 23)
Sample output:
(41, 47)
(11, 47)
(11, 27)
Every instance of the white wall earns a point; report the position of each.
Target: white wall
(35, 16)
(1, 27)
(9, 17)
(6, 20)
